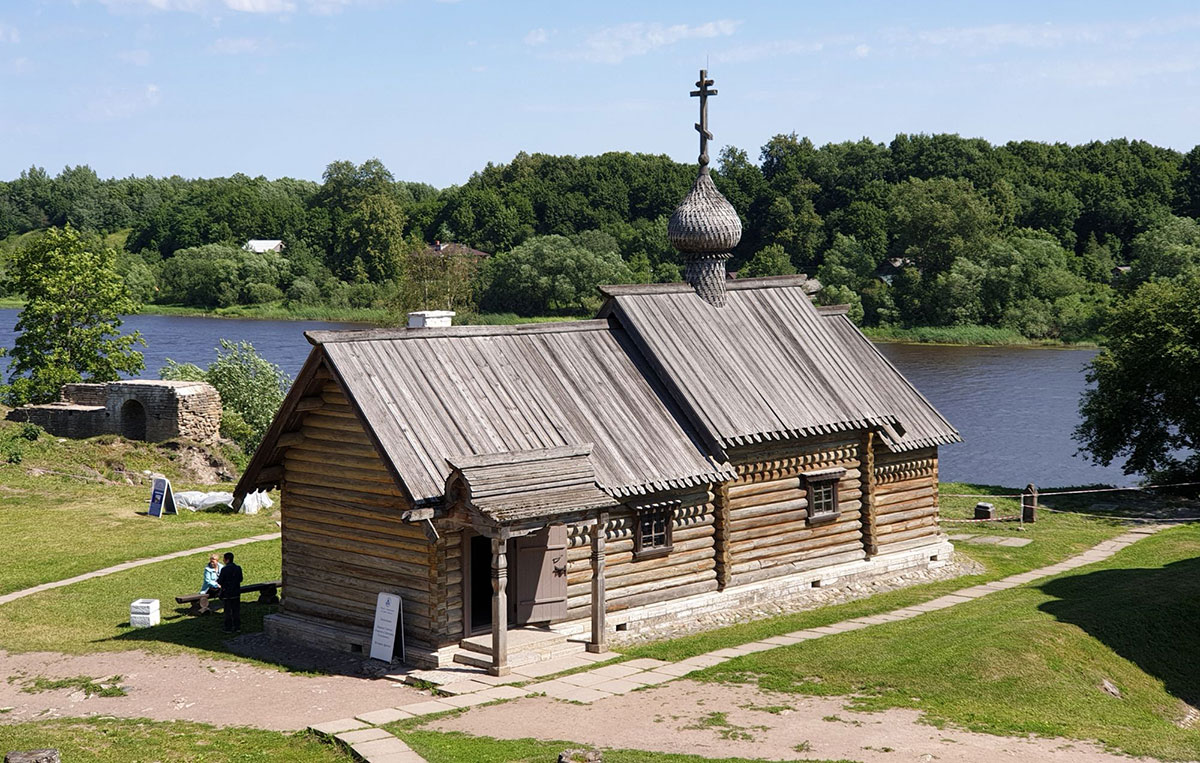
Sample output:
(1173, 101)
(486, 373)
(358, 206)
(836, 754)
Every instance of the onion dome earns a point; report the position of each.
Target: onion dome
(704, 222)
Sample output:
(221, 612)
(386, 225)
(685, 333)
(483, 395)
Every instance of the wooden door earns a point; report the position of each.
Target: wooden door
(541, 584)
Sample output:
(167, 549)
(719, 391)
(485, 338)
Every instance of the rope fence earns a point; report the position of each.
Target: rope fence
(1030, 504)
(1072, 492)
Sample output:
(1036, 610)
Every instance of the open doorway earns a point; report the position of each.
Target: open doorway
(133, 420)
(479, 584)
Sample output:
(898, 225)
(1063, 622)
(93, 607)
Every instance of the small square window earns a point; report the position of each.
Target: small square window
(822, 497)
(652, 534)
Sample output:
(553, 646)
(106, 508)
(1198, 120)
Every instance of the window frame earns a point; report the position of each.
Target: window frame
(822, 478)
(640, 551)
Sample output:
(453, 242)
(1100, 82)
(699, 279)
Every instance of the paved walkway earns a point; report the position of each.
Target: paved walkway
(6, 598)
(475, 687)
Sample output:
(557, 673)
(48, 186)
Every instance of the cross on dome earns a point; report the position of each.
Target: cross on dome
(702, 126)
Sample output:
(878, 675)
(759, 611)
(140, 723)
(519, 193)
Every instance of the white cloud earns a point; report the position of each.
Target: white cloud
(318, 7)
(536, 37)
(234, 46)
(261, 6)
(862, 51)
(9, 34)
(20, 65)
(758, 51)
(122, 103)
(614, 44)
(135, 57)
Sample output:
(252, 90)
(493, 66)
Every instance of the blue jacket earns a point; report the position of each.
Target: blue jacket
(210, 578)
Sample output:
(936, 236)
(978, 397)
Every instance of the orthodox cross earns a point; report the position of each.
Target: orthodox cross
(702, 127)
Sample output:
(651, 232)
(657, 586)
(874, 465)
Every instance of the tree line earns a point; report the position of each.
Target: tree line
(927, 230)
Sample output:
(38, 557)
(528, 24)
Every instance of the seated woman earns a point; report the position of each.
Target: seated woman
(211, 570)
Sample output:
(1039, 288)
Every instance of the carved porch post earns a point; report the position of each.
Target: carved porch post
(499, 606)
(599, 641)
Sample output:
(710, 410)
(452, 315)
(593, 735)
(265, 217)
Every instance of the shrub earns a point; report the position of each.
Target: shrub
(29, 431)
(257, 293)
(303, 292)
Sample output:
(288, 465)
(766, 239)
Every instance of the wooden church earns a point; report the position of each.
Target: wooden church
(696, 447)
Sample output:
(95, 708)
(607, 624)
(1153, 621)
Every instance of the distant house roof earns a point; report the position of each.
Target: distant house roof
(263, 245)
(770, 366)
(447, 249)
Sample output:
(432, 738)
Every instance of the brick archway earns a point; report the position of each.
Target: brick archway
(133, 420)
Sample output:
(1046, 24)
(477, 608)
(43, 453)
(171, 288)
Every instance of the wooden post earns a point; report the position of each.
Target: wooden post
(599, 641)
(499, 606)
(1029, 503)
(721, 536)
(867, 467)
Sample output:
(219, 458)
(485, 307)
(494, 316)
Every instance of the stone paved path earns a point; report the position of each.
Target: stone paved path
(475, 687)
(6, 598)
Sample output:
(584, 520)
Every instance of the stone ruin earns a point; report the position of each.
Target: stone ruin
(138, 410)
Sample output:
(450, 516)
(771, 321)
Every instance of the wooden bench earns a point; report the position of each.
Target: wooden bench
(268, 593)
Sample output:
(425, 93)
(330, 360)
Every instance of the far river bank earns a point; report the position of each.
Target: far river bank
(962, 336)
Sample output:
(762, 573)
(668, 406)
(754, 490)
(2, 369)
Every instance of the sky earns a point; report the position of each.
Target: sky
(436, 90)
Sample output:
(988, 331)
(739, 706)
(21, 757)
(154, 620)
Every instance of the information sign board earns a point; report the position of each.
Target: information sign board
(389, 620)
(162, 500)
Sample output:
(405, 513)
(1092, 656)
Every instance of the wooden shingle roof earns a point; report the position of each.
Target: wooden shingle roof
(449, 393)
(769, 366)
(531, 484)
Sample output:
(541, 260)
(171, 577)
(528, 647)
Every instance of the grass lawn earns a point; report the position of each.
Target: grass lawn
(108, 740)
(1030, 660)
(455, 747)
(93, 616)
(1055, 537)
(57, 520)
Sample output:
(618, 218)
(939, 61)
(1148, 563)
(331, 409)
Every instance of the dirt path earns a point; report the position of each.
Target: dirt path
(679, 717)
(6, 598)
(186, 687)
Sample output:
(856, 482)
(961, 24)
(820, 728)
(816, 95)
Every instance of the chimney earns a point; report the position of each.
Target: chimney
(430, 319)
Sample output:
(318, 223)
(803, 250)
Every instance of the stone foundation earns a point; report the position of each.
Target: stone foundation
(139, 410)
(662, 620)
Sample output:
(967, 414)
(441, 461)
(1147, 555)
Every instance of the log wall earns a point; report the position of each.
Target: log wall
(343, 539)
(689, 569)
(906, 499)
(769, 534)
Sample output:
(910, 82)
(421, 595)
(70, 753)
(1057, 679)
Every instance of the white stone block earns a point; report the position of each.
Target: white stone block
(144, 613)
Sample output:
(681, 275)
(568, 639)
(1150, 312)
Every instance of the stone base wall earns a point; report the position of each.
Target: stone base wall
(659, 620)
(84, 394)
(74, 421)
(139, 410)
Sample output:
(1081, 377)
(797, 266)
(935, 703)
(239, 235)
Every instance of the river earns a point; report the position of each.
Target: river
(1015, 407)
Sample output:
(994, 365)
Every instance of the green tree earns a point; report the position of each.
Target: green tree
(549, 273)
(1166, 250)
(69, 329)
(769, 261)
(1146, 382)
(251, 389)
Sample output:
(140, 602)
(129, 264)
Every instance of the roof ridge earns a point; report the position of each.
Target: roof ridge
(734, 284)
(377, 335)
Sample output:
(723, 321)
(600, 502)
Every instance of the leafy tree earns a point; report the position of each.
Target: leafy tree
(1147, 381)
(936, 221)
(251, 389)
(549, 273)
(69, 328)
(770, 261)
(1166, 250)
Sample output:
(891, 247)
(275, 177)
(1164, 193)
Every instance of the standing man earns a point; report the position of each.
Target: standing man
(230, 582)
